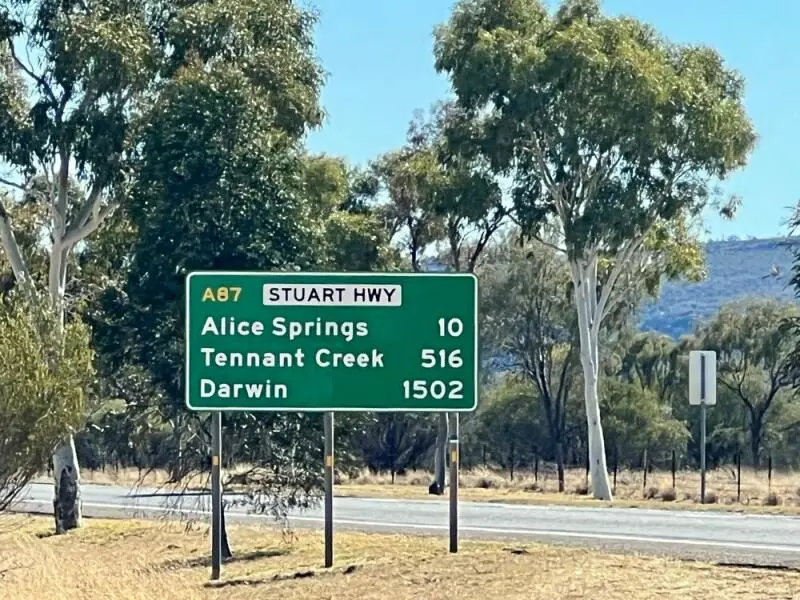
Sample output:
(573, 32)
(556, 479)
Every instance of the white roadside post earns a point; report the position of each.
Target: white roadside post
(702, 393)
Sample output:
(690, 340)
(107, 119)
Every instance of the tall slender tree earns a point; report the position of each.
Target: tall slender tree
(609, 133)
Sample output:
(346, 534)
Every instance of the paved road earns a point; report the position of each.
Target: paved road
(723, 537)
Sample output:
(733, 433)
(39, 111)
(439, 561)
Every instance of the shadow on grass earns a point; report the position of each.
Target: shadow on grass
(205, 561)
(279, 577)
(759, 566)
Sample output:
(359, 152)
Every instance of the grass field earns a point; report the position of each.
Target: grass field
(757, 493)
(151, 560)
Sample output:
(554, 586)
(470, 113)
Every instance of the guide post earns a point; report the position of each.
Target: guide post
(328, 490)
(702, 392)
(216, 495)
(328, 342)
(454, 495)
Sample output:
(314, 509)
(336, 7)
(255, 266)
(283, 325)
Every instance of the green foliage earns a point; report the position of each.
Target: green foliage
(651, 360)
(636, 421)
(509, 422)
(395, 442)
(790, 327)
(409, 177)
(607, 132)
(220, 181)
(220, 194)
(42, 385)
(439, 192)
(595, 113)
(353, 234)
(527, 318)
(754, 357)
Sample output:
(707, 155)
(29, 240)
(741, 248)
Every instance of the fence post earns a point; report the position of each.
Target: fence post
(644, 465)
(616, 466)
(739, 477)
(674, 468)
(769, 472)
(587, 467)
(513, 460)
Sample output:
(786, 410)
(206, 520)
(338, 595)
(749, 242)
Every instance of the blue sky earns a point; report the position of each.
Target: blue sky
(378, 54)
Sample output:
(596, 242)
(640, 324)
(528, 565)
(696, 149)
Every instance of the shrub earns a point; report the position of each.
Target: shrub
(484, 483)
(42, 383)
(669, 495)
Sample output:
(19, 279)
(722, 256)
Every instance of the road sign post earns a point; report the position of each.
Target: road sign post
(325, 342)
(216, 495)
(454, 494)
(328, 490)
(703, 393)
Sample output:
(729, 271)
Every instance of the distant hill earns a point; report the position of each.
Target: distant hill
(736, 269)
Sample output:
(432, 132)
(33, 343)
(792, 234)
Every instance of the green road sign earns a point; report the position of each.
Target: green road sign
(331, 342)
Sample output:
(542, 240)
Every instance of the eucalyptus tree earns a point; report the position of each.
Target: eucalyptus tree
(79, 82)
(610, 134)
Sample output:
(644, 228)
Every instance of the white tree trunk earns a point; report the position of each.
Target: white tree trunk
(67, 499)
(11, 248)
(67, 508)
(584, 277)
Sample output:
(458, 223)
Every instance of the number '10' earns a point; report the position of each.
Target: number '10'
(451, 327)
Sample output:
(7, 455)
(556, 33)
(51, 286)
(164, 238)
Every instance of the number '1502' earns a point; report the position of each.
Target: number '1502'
(420, 389)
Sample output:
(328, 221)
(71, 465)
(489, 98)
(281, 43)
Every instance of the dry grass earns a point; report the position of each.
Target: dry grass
(757, 495)
(149, 560)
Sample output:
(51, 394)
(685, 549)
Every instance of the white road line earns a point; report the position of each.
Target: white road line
(489, 530)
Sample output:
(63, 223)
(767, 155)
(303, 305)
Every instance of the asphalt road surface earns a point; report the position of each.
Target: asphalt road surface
(763, 540)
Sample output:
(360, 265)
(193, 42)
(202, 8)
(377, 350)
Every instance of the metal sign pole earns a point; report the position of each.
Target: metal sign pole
(454, 495)
(328, 490)
(702, 429)
(454, 458)
(216, 495)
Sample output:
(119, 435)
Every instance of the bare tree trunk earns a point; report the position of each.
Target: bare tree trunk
(598, 469)
(755, 442)
(560, 465)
